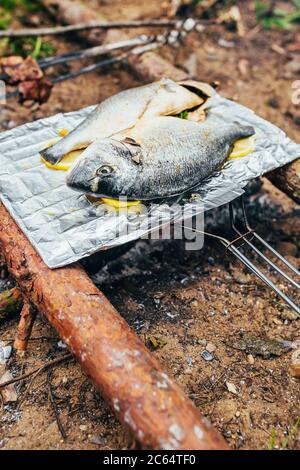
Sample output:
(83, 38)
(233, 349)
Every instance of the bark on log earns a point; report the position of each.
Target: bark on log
(287, 179)
(150, 67)
(10, 303)
(147, 402)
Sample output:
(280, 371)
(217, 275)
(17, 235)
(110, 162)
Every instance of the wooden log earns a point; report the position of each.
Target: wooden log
(287, 179)
(145, 399)
(150, 67)
(28, 314)
(10, 302)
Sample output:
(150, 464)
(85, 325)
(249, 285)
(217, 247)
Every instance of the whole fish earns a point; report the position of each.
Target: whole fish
(123, 110)
(163, 157)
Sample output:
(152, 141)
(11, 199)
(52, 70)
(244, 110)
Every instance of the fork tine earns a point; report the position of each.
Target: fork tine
(266, 244)
(255, 249)
(241, 257)
(230, 246)
(278, 255)
(263, 277)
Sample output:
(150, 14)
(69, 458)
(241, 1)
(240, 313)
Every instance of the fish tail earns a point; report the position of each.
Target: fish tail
(56, 152)
(241, 131)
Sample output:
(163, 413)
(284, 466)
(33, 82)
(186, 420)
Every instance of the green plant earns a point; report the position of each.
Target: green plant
(183, 114)
(287, 442)
(270, 16)
(272, 441)
(291, 434)
(35, 47)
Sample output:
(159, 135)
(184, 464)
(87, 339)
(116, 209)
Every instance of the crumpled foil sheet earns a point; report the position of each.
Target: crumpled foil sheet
(64, 227)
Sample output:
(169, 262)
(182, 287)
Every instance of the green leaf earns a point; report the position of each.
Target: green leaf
(183, 114)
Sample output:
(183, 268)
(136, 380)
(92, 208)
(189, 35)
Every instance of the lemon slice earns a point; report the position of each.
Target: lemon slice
(243, 147)
(119, 204)
(63, 132)
(115, 203)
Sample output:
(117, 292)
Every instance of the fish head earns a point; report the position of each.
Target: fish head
(107, 168)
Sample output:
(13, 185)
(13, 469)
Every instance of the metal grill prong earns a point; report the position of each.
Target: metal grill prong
(263, 242)
(243, 236)
(251, 232)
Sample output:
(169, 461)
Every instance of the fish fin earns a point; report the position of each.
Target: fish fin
(202, 89)
(130, 141)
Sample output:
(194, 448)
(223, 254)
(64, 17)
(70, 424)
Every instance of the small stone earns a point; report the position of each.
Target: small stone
(207, 356)
(231, 388)
(227, 44)
(3, 442)
(287, 248)
(191, 64)
(238, 414)
(5, 353)
(83, 427)
(295, 365)
(97, 440)
(288, 314)
(189, 360)
(273, 102)
(250, 359)
(8, 393)
(210, 347)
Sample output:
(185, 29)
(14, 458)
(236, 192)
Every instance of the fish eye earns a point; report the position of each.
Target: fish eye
(104, 170)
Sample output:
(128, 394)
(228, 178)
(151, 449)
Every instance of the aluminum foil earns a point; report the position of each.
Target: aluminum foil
(64, 227)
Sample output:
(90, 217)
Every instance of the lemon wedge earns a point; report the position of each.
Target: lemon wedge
(243, 147)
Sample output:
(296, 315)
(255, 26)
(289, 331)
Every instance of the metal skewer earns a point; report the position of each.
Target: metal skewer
(91, 52)
(142, 44)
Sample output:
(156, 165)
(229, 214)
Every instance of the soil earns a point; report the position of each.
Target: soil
(180, 302)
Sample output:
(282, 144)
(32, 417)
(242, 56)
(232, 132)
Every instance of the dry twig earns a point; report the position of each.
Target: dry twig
(52, 363)
(16, 33)
(54, 406)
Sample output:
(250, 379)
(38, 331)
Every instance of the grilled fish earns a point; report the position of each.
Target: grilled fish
(123, 110)
(162, 157)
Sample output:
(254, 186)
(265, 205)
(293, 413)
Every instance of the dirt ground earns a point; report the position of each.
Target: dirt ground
(181, 303)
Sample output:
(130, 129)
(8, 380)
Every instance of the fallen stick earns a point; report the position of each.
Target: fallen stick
(10, 302)
(145, 399)
(37, 371)
(73, 28)
(28, 314)
(54, 407)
